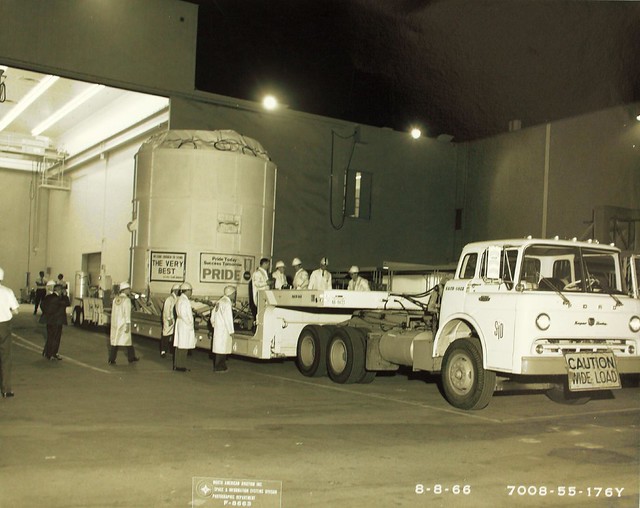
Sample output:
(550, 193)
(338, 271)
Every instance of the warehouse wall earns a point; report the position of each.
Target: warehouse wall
(593, 161)
(412, 193)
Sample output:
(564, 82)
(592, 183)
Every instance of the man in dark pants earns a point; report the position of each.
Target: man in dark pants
(41, 291)
(8, 308)
(54, 313)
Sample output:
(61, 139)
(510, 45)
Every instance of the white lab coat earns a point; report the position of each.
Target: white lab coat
(260, 281)
(184, 335)
(320, 279)
(360, 284)
(280, 279)
(121, 321)
(301, 279)
(168, 315)
(222, 322)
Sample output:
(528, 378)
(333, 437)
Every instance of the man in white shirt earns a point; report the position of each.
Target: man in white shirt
(8, 308)
(357, 283)
(259, 282)
(321, 277)
(301, 278)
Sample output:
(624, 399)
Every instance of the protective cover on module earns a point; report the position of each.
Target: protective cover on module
(203, 211)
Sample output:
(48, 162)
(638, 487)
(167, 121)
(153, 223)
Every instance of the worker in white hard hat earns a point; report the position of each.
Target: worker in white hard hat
(279, 276)
(54, 315)
(259, 282)
(9, 307)
(168, 320)
(184, 336)
(357, 283)
(301, 277)
(121, 325)
(222, 322)
(321, 277)
(50, 285)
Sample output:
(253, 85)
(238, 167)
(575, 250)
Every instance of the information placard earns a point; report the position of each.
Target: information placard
(592, 371)
(225, 268)
(227, 492)
(168, 266)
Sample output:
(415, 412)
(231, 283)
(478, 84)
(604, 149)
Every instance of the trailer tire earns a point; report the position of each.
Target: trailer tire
(346, 355)
(561, 394)
(466, 384)
(368, 377)
(311, 353)
(78, 316)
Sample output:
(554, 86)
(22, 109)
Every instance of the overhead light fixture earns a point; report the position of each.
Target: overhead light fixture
(27, 100)
(416, 133)
(638, 118)
(270, 102)
(66, 109)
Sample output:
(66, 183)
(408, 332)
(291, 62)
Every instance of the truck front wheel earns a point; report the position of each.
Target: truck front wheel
(346, 355)
(312, 350)
(466, 384)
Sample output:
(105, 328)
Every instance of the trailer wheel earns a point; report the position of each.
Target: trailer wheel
(345, 355)
(368, 377)
(466, 384)
(561, 394)
(78, 316)
(311, 351)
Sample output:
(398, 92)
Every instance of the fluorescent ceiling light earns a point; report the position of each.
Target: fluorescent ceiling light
(27, 100)
(66, 109)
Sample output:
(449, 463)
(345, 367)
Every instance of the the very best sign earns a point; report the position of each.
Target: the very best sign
(168, 266)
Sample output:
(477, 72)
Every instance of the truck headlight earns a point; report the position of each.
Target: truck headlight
(543, 321)
(634, 324)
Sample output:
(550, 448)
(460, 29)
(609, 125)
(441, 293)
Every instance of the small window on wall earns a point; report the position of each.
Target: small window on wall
(358, 204)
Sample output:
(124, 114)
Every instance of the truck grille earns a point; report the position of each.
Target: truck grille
(559, 346)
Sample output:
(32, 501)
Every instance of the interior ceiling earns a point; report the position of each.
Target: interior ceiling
(459, 67)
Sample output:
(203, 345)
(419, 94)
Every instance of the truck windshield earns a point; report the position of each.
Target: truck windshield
(570, 269)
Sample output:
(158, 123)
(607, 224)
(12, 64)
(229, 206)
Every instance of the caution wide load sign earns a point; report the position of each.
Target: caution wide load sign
(592, 371)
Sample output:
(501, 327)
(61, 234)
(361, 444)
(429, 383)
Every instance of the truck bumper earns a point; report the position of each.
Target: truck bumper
(532, 365)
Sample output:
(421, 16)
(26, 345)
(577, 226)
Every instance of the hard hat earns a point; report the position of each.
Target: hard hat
(125, 285)
(51, 283)
(175, 287)
(1, 274)
(296, 262)
(229, 290)
(280, 264)
(354, 269)
(324, 261)
(185, 286)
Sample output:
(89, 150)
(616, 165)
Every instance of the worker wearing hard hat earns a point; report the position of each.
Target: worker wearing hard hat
(168, 320)
(222, 322)
(321, 277)
(121, 325)
(357, 283)
(279, 276)
(184, 336)
(301, 277)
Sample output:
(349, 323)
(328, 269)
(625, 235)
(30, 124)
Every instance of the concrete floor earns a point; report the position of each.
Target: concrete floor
(80, 433)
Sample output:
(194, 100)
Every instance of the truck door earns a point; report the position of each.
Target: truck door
(491, 301)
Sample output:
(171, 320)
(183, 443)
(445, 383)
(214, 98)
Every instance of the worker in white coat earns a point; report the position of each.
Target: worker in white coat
(222, 322)
(301, 278)
(259, 281)
(357, 283)
(321, 277)
(184, 336)
(168, 320)
(279, 277)
(120, 335)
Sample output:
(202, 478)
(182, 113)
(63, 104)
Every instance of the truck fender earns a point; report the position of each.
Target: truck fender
(459, 326)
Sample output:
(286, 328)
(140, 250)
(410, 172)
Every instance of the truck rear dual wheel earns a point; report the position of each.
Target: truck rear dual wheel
(311, 354)
(466, 384)
(346, 356)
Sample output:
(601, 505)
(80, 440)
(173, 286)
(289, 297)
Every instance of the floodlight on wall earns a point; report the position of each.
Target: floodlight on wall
(416, 133)
(270, 102)
(27, 100)
(73, 104)
(638, 118)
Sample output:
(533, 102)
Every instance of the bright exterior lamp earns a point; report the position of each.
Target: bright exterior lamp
(415, 133)
(270, 102)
